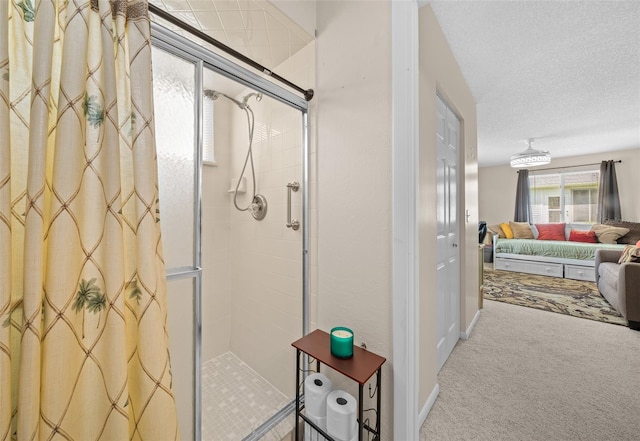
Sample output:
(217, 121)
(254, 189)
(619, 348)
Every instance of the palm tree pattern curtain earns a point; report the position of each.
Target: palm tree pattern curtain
(523, 198)
(83, 338)
(608, 197)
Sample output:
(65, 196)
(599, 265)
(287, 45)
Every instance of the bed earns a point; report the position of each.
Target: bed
(571, 260)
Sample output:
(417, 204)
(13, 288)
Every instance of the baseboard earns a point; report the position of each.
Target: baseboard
(428, 405)
(465, 335)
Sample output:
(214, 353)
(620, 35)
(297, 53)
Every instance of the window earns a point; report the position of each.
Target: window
(570, 197)
(554, 208)
(208, 156)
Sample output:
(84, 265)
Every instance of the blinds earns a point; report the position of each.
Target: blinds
(208, 153)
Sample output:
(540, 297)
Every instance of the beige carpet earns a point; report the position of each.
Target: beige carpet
(532, 375)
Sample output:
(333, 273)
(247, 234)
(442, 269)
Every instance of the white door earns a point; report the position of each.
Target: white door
(448, 254)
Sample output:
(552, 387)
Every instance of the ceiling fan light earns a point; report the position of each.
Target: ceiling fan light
(530, 158)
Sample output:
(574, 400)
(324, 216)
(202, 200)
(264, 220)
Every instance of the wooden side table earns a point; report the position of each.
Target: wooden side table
(359, 368)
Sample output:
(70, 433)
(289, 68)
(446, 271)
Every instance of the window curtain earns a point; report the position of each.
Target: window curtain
(523, 199)
(608, 197)
(83, 335)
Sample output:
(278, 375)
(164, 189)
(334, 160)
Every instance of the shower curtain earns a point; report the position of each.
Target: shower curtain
(83, 339)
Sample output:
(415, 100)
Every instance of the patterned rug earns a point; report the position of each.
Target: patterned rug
(564, 296)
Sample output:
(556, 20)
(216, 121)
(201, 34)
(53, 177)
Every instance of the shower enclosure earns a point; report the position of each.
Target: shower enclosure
(233, 174)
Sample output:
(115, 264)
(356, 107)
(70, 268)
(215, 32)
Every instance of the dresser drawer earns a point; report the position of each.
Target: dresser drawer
(524, 266)
(580, 272)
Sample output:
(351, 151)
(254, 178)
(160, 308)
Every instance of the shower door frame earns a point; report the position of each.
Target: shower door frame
(202, 58)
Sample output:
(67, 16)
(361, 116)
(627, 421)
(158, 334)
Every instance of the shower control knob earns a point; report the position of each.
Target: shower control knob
(258, 207)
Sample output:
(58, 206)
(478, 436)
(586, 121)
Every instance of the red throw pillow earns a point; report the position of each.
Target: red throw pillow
(583, 236)
(550, 231)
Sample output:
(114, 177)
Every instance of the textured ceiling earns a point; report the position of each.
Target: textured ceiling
(566, 73)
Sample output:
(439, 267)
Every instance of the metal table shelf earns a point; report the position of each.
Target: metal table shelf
(359, 368)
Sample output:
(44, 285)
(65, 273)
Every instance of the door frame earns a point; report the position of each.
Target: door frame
(405, 174)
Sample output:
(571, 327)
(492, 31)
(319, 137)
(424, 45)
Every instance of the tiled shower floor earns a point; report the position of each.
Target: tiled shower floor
(236, 400)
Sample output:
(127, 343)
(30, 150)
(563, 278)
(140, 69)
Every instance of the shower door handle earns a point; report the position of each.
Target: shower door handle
(291, 223)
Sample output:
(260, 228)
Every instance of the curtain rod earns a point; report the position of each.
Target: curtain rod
(308, 93)
(572, 166)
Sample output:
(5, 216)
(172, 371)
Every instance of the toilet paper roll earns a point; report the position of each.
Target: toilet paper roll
(316, 389)
(342, 422)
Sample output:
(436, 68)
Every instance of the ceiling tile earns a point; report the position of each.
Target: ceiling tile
(236, 37)
(209, 20)
(244, 50)
(257, 37)
(221, 36)
(274, 23)
(201, 5)
(278, 37)
(176, 5)
(187, 17)
(254, 28)
(248, 5)
(231, 19)
(254, 19)
(227, 5)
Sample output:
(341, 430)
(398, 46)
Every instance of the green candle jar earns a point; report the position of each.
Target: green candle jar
(342, 342)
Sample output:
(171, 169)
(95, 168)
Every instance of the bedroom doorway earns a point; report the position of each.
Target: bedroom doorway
(447, 231)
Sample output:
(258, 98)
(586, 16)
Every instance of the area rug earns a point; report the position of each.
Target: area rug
(564, 296)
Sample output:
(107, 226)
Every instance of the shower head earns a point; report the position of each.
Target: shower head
(211, 94)
(246, 97)
(214, 95)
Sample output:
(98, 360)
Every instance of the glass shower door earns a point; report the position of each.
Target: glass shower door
(252, 269)
(235, 284)
(174, 85)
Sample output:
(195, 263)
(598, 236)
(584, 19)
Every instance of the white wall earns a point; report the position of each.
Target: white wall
(497, 184)
(303, 12)
(354, 178)
(354, 169)
(439, 72)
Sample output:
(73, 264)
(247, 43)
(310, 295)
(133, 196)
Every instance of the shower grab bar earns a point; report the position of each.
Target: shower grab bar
(291, 223)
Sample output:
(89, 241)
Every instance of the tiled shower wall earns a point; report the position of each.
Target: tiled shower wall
(216, 240)
(252, 271)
